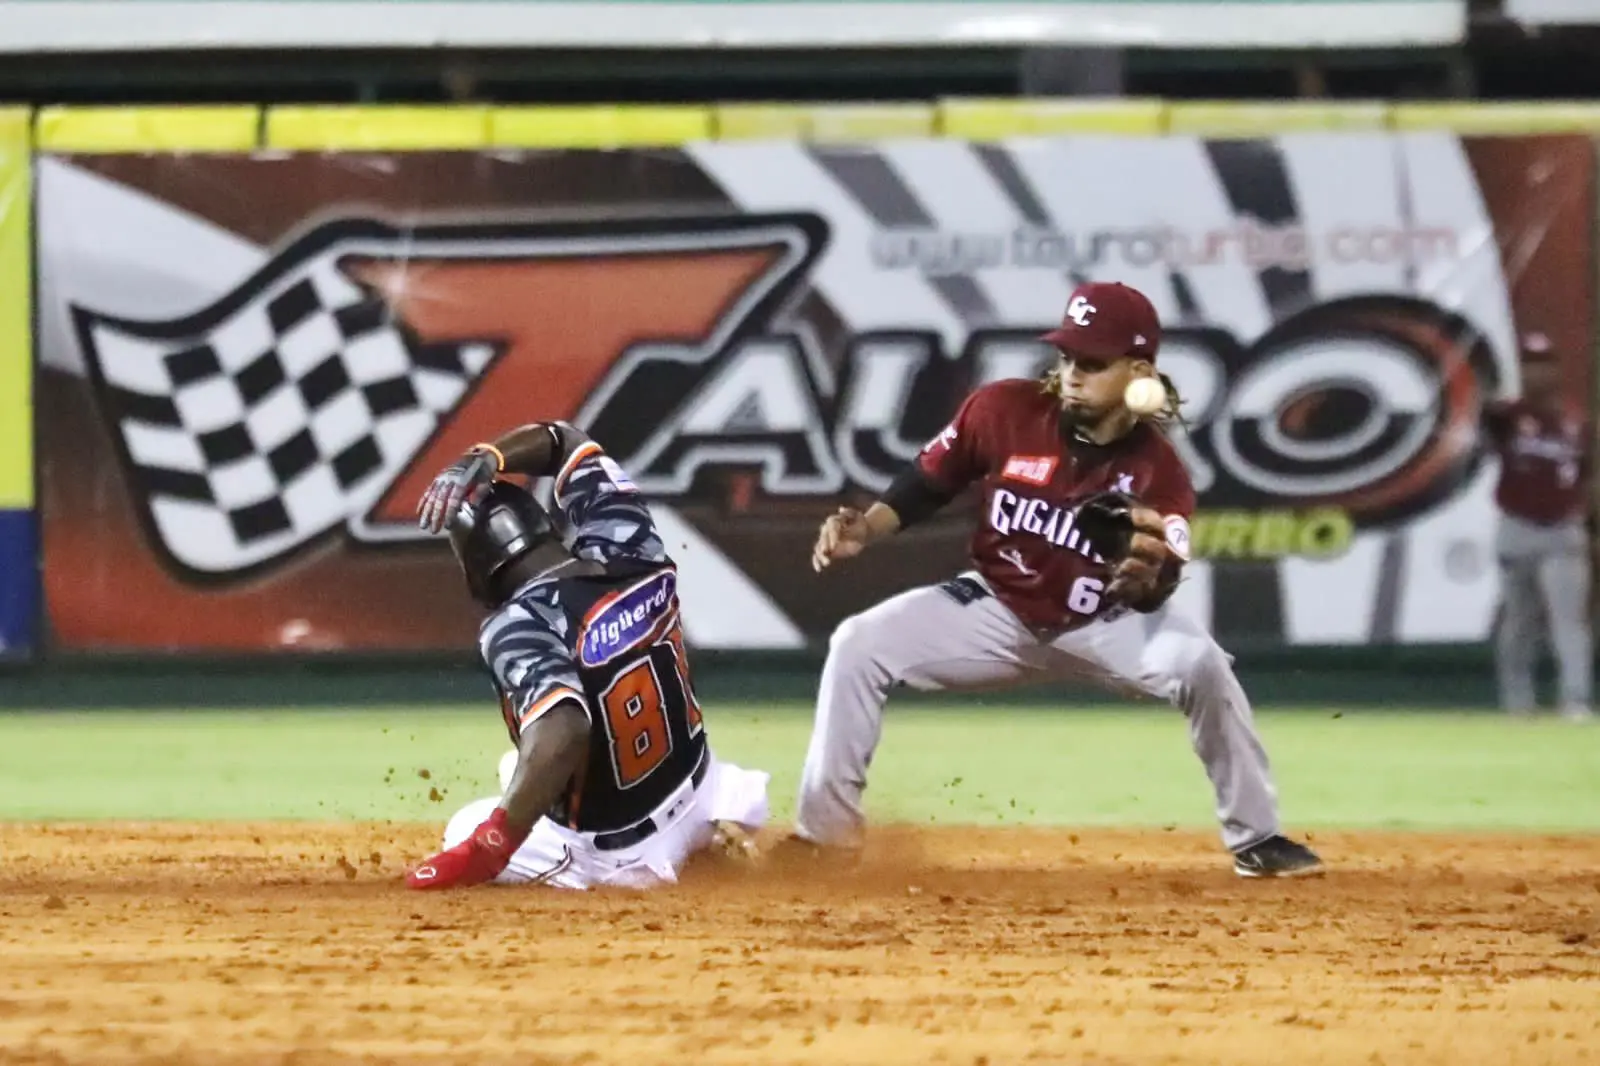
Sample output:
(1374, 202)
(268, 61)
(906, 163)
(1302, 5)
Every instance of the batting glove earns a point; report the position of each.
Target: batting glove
(459, 482)
(476, 860)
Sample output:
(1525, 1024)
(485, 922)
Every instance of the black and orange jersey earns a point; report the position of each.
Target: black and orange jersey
(612, 643)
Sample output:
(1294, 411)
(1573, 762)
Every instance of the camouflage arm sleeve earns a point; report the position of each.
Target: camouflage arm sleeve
(609, 517)
(525, 646)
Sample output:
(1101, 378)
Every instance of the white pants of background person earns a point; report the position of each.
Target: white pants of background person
(684, 824)
(1544, 593)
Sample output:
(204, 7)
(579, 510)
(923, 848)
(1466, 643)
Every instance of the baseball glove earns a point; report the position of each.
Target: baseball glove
(1106, 519)
(1132, 540)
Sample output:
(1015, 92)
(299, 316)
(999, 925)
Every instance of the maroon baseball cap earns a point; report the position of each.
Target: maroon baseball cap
(1108, 320)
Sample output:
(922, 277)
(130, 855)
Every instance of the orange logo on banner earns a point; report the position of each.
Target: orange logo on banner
(562, 324)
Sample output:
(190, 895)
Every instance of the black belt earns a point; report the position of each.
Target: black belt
(618, 839)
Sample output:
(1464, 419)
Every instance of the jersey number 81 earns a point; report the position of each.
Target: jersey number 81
(635, 706)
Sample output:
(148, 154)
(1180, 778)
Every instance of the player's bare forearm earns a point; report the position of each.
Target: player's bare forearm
(538, 449)
(881, 521)
(549, 753)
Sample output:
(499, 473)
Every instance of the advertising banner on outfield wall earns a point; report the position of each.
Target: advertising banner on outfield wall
(251, 367)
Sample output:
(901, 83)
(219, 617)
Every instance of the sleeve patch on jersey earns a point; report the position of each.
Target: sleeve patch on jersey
(1178, 536)
(946, 438)
(619, 477)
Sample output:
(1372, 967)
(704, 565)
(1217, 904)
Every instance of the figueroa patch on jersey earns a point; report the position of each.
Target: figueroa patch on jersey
(1033, 469)
(627, 619)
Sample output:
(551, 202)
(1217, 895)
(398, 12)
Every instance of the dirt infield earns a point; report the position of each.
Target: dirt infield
(295, 944)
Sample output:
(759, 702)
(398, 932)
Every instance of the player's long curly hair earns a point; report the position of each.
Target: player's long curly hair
(1171, 414)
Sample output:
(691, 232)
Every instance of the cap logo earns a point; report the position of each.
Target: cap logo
(1080, 310)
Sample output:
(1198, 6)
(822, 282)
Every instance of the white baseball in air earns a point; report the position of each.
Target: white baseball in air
(1145, 396)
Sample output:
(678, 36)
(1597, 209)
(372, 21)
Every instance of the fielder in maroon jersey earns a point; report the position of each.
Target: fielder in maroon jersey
(1043, 599)
(1542, 541)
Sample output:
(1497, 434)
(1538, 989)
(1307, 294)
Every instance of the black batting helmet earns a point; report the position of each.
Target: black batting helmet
(492, 532)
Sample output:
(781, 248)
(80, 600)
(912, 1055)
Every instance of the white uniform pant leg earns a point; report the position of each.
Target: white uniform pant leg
(728, 793)
(1564, 583)
(1520, 620)
(557, 856)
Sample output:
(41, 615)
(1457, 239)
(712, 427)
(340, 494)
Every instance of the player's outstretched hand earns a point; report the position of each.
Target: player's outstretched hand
(475, 861)
(842, 536)
(1135, 575)
(462, 480)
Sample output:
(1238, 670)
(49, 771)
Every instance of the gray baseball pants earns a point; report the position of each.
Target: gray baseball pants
(930, 640)
(1544, 590)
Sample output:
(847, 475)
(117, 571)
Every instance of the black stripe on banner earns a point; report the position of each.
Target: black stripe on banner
(875, 185)
(965, 299)
(1257, 184)
(869, 178)
(828, 330)
(1408, 209)
(1019, 190)
(1385, 624)
(1188, 306)
(1004, 170)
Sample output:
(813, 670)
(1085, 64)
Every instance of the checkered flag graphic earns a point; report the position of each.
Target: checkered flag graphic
(288, 417)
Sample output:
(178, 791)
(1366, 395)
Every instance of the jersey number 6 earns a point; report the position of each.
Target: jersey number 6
(1084, 597)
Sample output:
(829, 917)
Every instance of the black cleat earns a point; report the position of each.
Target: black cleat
(1277, 856)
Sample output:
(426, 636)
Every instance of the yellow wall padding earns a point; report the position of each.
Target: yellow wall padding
(599, 126)
(1224, 119)
(993, 120)
(739, 122)
(379, 129)
(1509, 118)
(825, 122)
(16, 282)
(148, 129)
(863, 122)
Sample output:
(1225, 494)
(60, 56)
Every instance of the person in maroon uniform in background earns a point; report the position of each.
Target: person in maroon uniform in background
(1543, 540)
(1042, 602)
